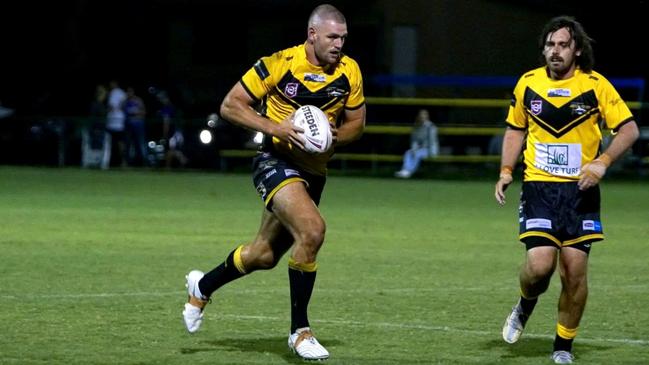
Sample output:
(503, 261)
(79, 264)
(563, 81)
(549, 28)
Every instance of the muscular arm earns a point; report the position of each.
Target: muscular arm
(352, 126)
(625, 138)
(237, 108)
(512, 146)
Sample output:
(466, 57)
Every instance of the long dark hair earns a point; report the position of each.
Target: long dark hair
(586, 60)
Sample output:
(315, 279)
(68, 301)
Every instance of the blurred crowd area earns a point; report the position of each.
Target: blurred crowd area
(173, 62)
(144, 127)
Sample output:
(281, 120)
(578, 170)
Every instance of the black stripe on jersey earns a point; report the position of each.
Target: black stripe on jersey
(286, 99)
(261, 70)
(559, 121)
(323, 98)
(248, 90)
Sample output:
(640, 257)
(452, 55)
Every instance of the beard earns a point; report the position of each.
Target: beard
(559, 65)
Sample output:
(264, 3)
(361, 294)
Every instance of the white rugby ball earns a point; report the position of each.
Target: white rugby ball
(317, 131)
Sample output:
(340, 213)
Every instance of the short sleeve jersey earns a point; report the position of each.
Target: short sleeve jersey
(286, 80)
(562, 119)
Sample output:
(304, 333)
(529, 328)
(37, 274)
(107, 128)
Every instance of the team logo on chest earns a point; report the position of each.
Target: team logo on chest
(335, 92)
(577, 108)
(536, 106)
(291, 89)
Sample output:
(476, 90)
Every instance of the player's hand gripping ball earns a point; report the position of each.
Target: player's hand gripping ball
(317, 131)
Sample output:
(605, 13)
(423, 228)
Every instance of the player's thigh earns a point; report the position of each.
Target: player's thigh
(541, 260)
(272, 240)
(573, 263)
(297, 211)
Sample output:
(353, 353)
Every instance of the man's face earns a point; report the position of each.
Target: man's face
(328, 39)
(559, 51)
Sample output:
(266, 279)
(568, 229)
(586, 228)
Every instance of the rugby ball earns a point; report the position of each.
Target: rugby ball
(317, 131)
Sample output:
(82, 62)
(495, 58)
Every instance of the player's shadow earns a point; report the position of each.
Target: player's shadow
(537, 347)
(263, 345)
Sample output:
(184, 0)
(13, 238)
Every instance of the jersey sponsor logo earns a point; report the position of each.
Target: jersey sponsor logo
(270, 173)
(558, 159)
(558, 155)
(261, 190)
(591, 225)
(536, 106)
(291, 89)
(538, 223)
(291, 172)
(268, 164)
(559, 93)
(314, 77)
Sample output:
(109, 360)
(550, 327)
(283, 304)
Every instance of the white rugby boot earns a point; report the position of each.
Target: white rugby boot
(193, 312)
(514, 324)
(304, 345)
(562, 357)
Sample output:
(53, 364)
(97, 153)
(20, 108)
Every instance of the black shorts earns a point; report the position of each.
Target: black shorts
(559, 214)
(270, 173)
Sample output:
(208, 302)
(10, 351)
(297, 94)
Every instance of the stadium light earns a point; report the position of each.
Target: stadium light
(258, 138)
(205, 136)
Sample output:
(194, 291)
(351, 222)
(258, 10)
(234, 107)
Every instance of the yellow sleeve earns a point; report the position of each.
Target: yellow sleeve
(613, 109)
(356, 97)
(263, 76)
(516, 116)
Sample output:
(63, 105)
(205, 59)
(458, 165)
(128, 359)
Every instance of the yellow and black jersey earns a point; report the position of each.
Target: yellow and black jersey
(286, 80)
(562, 119)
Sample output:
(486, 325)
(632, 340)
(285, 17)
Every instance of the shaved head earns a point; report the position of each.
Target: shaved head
(325, 12)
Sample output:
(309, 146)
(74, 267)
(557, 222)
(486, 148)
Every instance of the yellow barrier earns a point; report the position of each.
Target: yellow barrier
(463, 102)
(375, 157)
(442, 131)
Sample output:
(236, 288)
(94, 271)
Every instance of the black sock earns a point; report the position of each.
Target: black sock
(562, 344)
(220, 275)
(301, 283)
(527, 305)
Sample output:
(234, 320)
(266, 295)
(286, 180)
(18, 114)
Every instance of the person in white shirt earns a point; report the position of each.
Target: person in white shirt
(116, 120)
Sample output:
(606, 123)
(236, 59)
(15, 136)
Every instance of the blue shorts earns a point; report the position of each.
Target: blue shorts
(271, 173)
(559, 214)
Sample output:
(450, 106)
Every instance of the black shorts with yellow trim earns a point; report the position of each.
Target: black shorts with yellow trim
(271, 173)
(559, 214)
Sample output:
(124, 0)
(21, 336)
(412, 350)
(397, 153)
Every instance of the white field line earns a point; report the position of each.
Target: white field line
(640, 287)
(332, 321)
(434, 328)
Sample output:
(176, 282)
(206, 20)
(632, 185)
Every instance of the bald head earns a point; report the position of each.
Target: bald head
(323, 13)
(326, 35)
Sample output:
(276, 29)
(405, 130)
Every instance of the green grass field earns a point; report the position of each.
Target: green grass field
(92, 267)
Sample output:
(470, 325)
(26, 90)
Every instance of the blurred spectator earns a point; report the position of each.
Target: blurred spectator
(115, 123)
(171, 132)
(423, 143)
(98, 107)
(95, 141)
(135, 128)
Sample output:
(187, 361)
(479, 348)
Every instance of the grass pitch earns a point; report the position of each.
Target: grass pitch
(92, 267)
